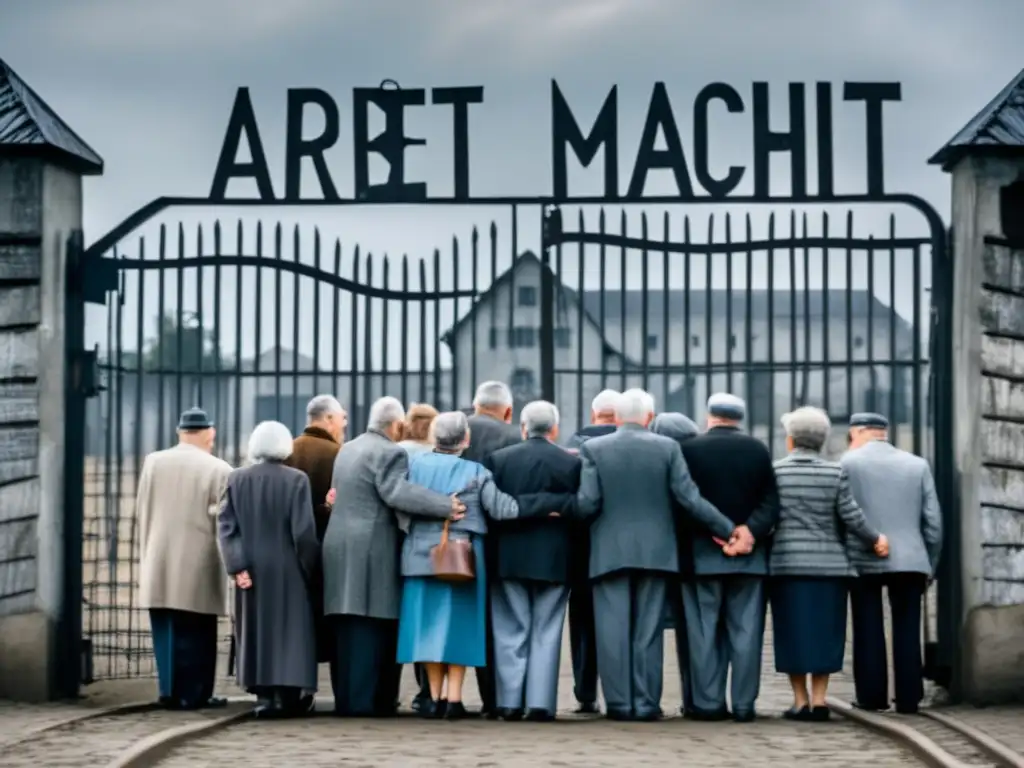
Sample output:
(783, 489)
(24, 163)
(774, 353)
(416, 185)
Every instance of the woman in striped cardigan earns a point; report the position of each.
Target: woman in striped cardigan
(809, 565)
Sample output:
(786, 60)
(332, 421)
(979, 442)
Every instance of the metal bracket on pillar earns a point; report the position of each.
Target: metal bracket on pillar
(99, 277)
(87, 376)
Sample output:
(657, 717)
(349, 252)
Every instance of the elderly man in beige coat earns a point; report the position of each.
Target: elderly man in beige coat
(182, 580)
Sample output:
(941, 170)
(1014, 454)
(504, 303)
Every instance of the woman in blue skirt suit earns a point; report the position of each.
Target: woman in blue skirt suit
(809, 566)
(442, 624)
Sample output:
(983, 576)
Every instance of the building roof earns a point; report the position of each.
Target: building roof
(630, 303)
(996, 129)
(28, 125)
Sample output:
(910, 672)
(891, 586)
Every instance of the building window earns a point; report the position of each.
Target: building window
(560, 301)
(492, 340)
(523, 385)
(521, 336)
(695, 341)
(562, 338)
(858, 342)
(527, 296)
(732, 341)
(652, 341)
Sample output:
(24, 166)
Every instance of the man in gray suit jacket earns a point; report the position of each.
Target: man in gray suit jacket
(490, 430)
(896, 491)
(628, 482)
(361, 551)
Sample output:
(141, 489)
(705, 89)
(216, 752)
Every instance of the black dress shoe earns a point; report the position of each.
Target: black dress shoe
(820, 714)
(870, 707)
(540, 716)
(432, 710)
(215, 702)
(908, 709)
(648, 717)
(801, 714)
(748, 716)
(509, 714)
(620, 715)
(588, 708)
(419, 701)
(715, 716)
(455, 711)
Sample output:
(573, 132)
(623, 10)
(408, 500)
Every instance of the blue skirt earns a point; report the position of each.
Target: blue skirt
(443, 622)
(809, 624)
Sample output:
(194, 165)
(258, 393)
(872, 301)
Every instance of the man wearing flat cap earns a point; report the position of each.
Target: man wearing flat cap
(724, 604)
(182, 582)
(896, 491)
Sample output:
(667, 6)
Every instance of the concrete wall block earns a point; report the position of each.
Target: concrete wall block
(21, 195)
(1003, 563)
(19, 499)
(1002, 397)
(1002, 526)
(1001, 356)
(19, 262)
(20, 305)
(18, 540)
(1001, 487)
(19, 354)
(18, 443)
(994, 654)
(1002, 313)
(1003, 267)
(16, 578)
(1002, 442)
(18, 469)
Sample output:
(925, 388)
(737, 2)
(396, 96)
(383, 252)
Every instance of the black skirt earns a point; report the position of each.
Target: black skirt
(809, 624)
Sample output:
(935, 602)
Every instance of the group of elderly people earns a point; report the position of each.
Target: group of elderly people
(450, 541)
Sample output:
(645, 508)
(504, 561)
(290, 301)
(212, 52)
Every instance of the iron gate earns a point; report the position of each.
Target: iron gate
(786, 309)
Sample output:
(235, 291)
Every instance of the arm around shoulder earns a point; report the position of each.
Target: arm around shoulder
(397, 492)
(850, 512)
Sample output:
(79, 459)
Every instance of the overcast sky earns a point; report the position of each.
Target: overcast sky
(150, 84)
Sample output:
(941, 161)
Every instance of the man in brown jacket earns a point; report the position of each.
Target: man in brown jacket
(313, 452)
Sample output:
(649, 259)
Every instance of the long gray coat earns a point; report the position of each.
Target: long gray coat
(266, 527)
(896, 492)
(361, 549)
(628, 483)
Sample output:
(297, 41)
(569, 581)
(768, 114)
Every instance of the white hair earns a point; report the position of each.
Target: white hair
(385, 412)
(808, 427)
(448, 430)
(269, 441)
(539, 418)
(605, 401)
(492, 394)
(321, 406)
(634, 406)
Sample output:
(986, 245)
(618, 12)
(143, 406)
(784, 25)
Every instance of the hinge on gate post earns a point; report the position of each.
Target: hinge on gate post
(87, 376)
(552, 225)
(99, 277)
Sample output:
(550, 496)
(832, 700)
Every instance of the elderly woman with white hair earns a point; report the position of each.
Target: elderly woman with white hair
(269, 545)
(443, 620)
(809, 566)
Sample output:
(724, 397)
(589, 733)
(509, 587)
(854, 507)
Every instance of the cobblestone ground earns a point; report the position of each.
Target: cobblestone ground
(410, 742)
(1003, 723)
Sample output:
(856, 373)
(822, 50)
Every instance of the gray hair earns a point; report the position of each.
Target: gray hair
(269, 441)
(539, 418)
(385, 412)
(449, 430)
(492, 394)
(634, 406)
(321, 406)
(807, 427)
(605, 401)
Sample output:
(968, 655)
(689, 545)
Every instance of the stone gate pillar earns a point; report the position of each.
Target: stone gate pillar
(986, 161)
(42, 163)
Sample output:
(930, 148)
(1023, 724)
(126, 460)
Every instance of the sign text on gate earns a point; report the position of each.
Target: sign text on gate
(566, 134)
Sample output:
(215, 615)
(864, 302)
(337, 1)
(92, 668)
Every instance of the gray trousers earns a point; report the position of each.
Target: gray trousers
(528, 618)
(725, 627)
(629, 609)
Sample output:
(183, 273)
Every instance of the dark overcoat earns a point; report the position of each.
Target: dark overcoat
(314, 452)
(266, 527)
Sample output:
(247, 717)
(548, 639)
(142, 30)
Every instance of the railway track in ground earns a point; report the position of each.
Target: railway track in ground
(153, 738)
(939, 739)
